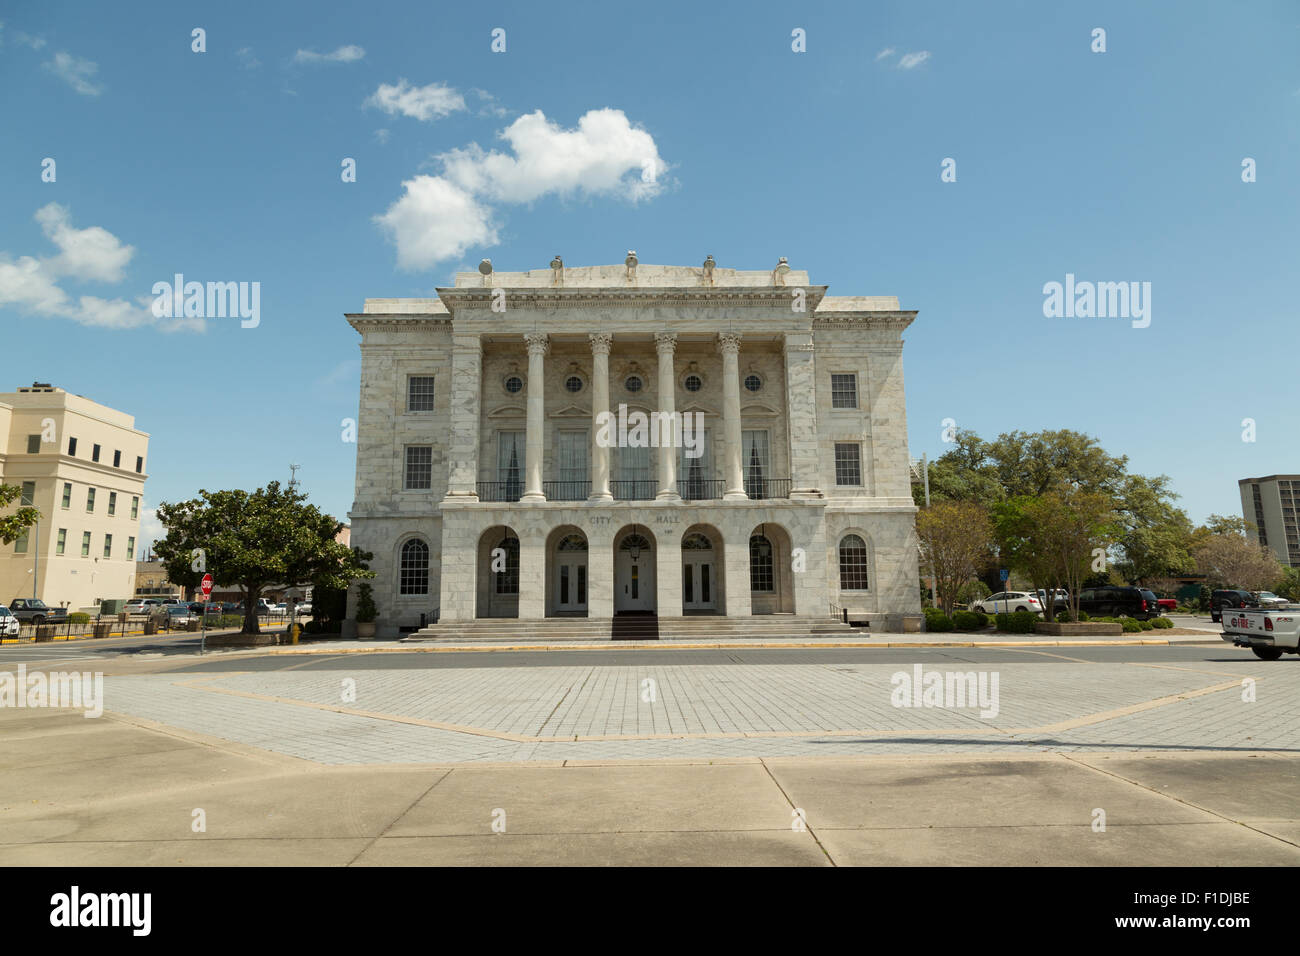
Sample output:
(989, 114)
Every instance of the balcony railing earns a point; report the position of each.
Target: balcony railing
(641, 489)
(700, 489)
(500, 490)
(758, 488)
(566, 490)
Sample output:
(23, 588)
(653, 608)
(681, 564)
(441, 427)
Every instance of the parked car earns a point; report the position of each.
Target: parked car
(280, 608)
(171, 615)
(1118, 601)
(142, 605)
(1005, 602)
(1061, 602)
(1269, 599)
(1231, 598)
(37, 612)
(1167, 604)
(9, 624)
(304, 608)
(1153, 602)
(265, 607)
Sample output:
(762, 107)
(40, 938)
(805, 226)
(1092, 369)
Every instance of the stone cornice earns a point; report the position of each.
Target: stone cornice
(598, 298)
(395, 321)
(897, 321)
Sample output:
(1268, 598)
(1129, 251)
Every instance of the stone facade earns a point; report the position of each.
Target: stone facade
(486, 486)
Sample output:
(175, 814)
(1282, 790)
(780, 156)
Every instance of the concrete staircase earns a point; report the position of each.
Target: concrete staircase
(773, 627)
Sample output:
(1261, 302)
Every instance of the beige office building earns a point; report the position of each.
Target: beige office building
(81, 464)
(1270, 504)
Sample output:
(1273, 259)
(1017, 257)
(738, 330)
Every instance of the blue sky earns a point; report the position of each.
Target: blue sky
(225, 166)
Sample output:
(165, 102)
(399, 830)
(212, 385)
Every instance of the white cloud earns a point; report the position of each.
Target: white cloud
(887, 51)
(344, 54)
(76, 72)
(26, 39)
(381, 136)
(420, 102)
(440, 217)
(490, 106)
(247, 59)
(435, 220)
(151, 529)
(93, 254)
(911, 60)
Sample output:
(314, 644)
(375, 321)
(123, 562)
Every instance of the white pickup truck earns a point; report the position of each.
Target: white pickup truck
(1269, 632)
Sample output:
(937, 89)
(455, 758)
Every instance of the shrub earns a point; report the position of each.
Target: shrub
(1146, 625)
(935, 619)
(78, 617)
(1018, 622)
(1130, 625)
(967, 620)
(366, 610)
(983, 618)
(1162, 622)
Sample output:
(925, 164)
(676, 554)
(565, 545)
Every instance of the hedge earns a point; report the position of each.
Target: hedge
(1018, 622)
(936, 620)
(1161, 622)
(968, 620)
(78, 617)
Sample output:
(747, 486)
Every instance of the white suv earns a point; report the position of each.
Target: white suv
(8, 623)
(1008, 601)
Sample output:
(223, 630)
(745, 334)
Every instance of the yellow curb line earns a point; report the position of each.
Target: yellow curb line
(679, 645)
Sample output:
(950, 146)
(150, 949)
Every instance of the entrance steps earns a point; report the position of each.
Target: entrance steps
(638, 628)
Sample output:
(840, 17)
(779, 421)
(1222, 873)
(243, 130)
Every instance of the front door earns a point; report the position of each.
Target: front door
(634, 581)
(571, 584)
(698, 592)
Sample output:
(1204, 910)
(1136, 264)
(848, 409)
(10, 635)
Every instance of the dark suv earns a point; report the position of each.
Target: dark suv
(1117, 601)
(1232, 598)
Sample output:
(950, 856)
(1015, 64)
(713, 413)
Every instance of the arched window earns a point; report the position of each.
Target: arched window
(572, 542)
(696, 542)
(507, 580)
(414, 576)
(760, 564)
(853, 563)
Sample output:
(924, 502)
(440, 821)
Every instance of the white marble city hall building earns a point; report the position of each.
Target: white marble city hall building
(492, 483)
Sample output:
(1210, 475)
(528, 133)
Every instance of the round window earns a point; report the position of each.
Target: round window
(573, 383)
(633, 383)
(692, 383)
(753, 383)
(514, 384)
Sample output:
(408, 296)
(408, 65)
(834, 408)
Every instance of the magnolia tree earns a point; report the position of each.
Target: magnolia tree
(14, 526)
(255, 539)
(1056, 537)
(956, 540)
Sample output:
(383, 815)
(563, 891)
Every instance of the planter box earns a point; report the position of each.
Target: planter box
(150, 627)
(1082, 629)
(365, 630)
(101, 630)
(192, 625)
(44, 632)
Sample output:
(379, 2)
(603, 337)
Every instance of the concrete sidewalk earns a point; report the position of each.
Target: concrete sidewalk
(78, 792)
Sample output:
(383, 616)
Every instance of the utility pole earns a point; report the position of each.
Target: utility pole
(293, 476)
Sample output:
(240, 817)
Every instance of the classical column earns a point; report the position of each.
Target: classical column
(729, 346)
(600, 344)
(534, 440)
(666, 345)
(463, 437)
(801, 406)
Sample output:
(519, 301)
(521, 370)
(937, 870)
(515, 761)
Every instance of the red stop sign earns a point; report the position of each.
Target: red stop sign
(206, 585)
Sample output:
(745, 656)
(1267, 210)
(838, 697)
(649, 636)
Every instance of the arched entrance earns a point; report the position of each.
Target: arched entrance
(498, 573)
(771, 586)
(702, 571)
(566, 575)
(634, 571)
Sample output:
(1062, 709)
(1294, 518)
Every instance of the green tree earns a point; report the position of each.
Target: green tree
(254, 539)
(1234, 561)
(14, 526)
(956, 541)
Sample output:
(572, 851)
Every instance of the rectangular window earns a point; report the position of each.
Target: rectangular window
(112, 503)
(139, 465)
(72, 447)
(692, 473)
(135, 506)
(108, 545)
(571, 459)
(90, 500)
(94, 453)
(844, 390)
(848, 463)
(29, 493)
(62, 544)
(636, 478)
(419, 393)
(419, 467)
(67, 494)
(117, 459)
(130, 548)
(754, 458)
(20, 544)
(33, 444)
(85, 544)
(510, 464)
